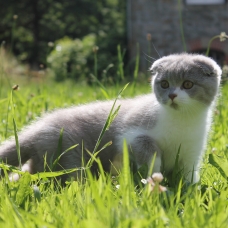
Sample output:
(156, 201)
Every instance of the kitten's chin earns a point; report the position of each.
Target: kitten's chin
(174, 106)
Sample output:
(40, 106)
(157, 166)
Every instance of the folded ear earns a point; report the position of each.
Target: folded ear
(205, 67)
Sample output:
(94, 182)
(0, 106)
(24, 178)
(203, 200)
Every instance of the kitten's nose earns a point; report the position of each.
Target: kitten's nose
(172, 96)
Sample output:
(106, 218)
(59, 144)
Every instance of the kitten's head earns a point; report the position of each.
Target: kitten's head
(182, 81)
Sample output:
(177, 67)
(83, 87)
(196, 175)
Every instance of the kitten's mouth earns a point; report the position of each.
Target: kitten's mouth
(174, 105)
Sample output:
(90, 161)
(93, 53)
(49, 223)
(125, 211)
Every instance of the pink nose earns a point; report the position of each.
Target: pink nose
(172, 96)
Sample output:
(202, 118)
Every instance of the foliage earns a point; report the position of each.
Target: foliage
(29, 28)
(70, 57)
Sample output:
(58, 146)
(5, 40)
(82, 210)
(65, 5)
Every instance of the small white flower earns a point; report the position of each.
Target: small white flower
(154, 181)
(36, 189)
(118, 186)
(157, 177)
(223, 36)
(144, 181)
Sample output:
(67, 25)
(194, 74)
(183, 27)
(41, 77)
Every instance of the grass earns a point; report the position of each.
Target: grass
(37, 201)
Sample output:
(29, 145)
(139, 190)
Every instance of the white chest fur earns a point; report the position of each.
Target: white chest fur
(175, 131)
(184, 133)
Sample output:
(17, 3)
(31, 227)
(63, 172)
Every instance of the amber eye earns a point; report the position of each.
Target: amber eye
(187, 84)
(164, 84)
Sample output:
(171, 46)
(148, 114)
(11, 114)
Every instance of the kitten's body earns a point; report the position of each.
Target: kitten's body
(166, 121)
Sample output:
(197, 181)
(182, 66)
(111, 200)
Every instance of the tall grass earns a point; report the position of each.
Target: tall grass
(36, 200)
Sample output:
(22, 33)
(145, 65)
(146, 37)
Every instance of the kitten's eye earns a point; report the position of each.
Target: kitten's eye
(187, 84)
(164, 84)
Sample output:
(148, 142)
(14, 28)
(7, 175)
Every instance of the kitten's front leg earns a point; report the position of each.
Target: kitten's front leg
(144, 148)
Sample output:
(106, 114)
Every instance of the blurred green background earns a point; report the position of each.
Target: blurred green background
(64, 35)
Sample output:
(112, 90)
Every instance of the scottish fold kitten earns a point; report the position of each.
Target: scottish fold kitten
(176, 116)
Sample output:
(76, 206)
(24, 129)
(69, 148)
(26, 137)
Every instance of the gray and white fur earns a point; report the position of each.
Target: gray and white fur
(176, 115)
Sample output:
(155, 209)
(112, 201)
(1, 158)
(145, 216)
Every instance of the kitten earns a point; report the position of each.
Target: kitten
(175, 117)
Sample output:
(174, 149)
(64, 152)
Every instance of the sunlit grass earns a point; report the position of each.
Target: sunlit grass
(106, 201)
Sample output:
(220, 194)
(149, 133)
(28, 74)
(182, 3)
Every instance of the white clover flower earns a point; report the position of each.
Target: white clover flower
(223, 36)
(162, 188)
(154, 181)
(157, 177)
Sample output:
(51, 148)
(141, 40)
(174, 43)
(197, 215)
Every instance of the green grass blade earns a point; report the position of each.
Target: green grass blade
(103, 89)
(136, 70)
(59, 150)
(55, 163)
(120, 63)
(220, 164)
(38, 176)
(181, 25)
(23, 188)
(176, 168)
(17, 143)
(109, 120)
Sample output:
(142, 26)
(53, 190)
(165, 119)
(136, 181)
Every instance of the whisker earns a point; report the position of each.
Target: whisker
(147, 60)
(156, 50)
(149, 56)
